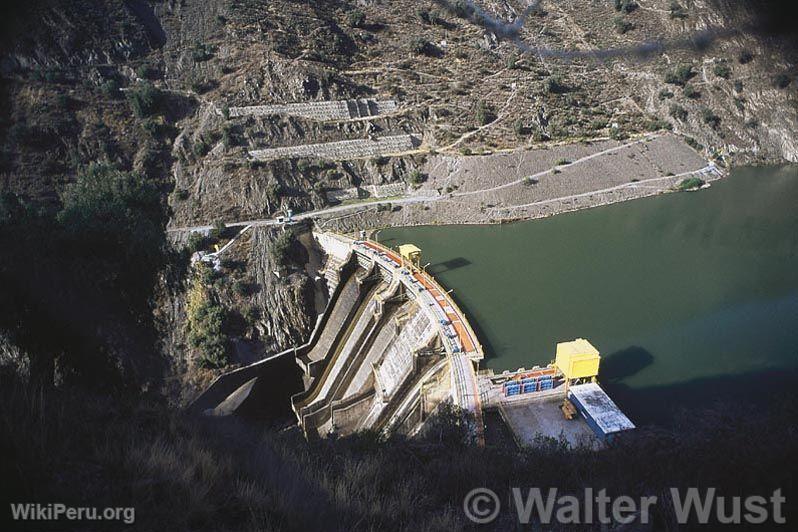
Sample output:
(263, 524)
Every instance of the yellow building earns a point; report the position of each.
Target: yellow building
(410, 254)
(577, 359)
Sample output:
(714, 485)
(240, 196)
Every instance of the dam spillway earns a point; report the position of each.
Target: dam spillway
(393, 347)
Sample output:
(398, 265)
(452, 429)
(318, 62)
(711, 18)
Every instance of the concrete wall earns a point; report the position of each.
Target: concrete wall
(323, 111)
(341, 150)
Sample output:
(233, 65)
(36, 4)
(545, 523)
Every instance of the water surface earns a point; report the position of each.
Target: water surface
(688, 296)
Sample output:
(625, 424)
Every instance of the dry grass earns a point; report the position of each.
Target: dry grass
(184, 473)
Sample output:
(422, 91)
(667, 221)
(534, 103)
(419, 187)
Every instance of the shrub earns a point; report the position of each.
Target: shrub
(201, 147)
(658, 124)
(110, 88)
(622, 25)
(197, 242)
(722, 70)
(691, 92)
(219, 229)
(693, 143)
(421, 46)
(710, 118)
(147, 72)
(691, 183)
(201, 85)
(424, 15)
(157, 128)
(745, 56)
(678, 112)
(511, 62)
(230, 136)
(665, 94)
(554, 85)
(242, 287)
(252, 314)
(679, 75)
(617, 133)
(206, 319)
(782, 81)
(416, 177)
(462, 9)
(356, 18)
(677, 10)
(520, 128)
(202, 52)
(625, 6)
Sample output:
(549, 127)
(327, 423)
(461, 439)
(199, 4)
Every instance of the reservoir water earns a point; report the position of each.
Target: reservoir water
(690, 297)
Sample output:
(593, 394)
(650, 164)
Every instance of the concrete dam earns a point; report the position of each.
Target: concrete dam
(392, 347)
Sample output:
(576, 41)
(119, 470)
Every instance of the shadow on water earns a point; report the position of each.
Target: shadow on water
(624, 363)
(664, 405)
(448, 265)
(389, 242)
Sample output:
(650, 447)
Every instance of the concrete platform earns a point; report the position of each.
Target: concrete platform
(543, 417)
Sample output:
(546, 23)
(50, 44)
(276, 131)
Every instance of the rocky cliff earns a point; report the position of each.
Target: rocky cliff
(147, 86)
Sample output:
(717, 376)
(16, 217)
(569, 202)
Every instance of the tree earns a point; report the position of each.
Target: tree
(110, 88)
(219, 229)
(118, 211)
(145, 99)
(206, 323)
(484, 114)
(679, 75)
(281, 247)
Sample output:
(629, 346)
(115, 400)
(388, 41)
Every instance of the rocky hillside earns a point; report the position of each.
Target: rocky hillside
(147, 87)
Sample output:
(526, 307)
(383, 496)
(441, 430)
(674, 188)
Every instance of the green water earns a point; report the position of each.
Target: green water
(680, 292)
